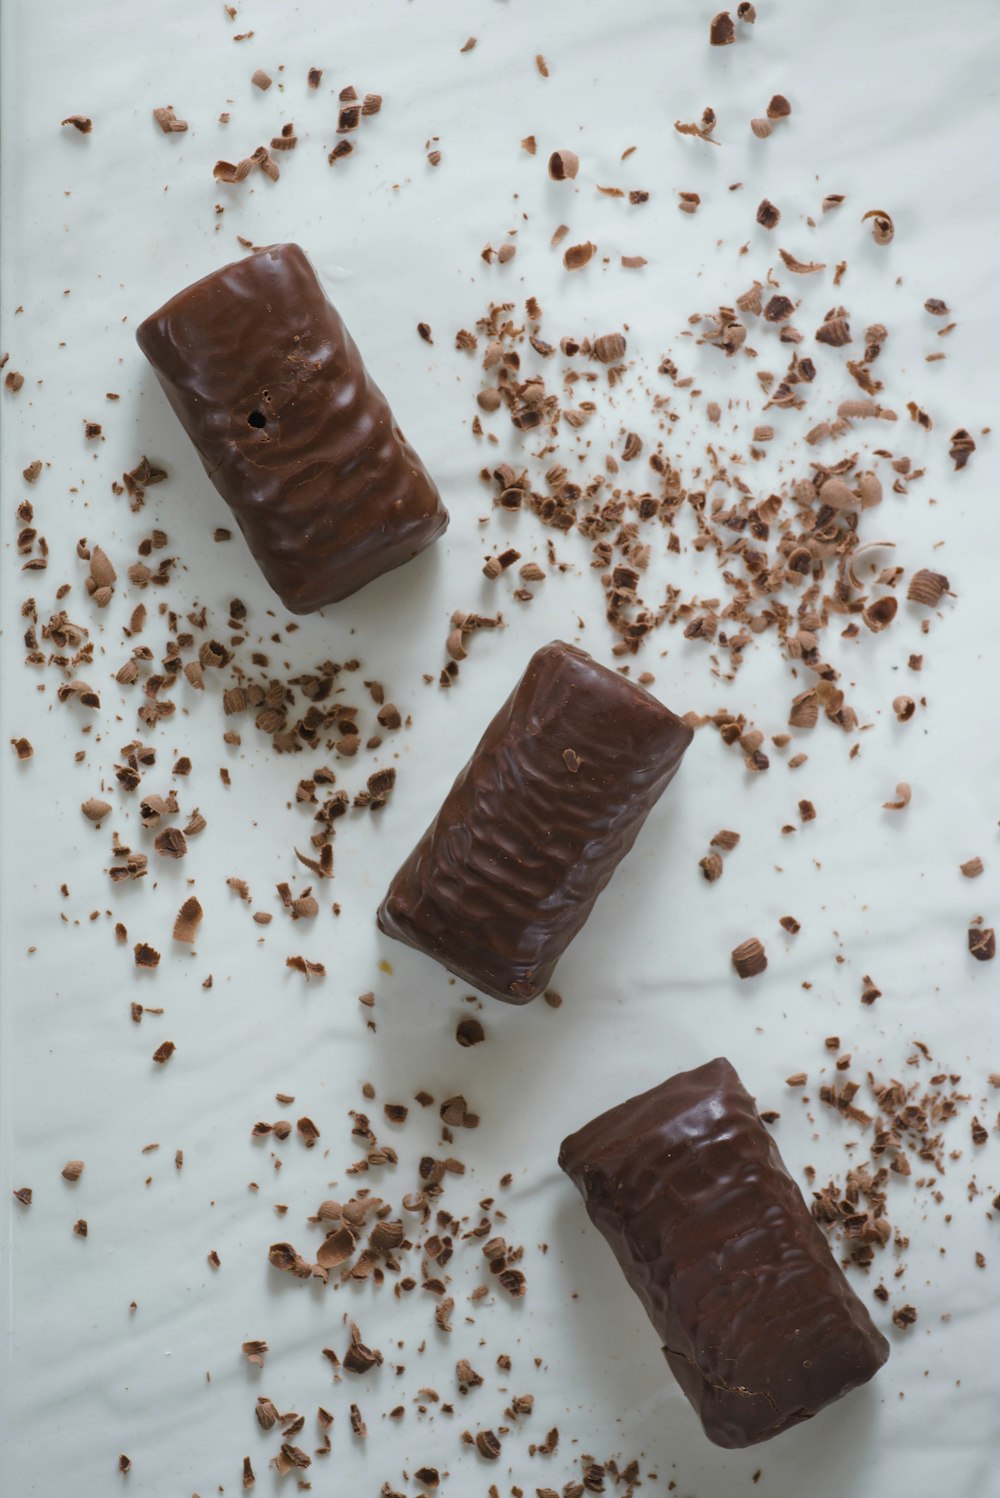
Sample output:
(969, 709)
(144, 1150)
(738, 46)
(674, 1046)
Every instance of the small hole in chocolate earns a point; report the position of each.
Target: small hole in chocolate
(257, 419)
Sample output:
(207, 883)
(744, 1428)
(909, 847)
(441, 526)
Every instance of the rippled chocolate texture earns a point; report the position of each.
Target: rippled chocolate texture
(294, 434)
(535, 825)
(756, 1318)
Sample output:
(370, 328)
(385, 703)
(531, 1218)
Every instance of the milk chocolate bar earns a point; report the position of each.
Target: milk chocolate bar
(293, 432)
(756, 1318)
(535, 825)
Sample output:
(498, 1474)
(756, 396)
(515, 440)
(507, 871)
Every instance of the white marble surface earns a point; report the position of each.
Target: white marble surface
(895, 105)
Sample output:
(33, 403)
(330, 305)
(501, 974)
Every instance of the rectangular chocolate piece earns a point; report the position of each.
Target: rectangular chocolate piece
(293, 432)
(756, 1318)
(535, 825)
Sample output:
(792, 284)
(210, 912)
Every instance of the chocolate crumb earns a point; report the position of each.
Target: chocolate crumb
(469, 1032)
(163, 1052)
(903, 1317)
(972, 868)
(767, 215)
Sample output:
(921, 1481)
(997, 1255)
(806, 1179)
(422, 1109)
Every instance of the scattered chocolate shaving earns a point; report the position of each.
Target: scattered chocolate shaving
(972, 868)
(927, 588)
(903, 1317)
(577, 256)
(801, 267)
(903, 797)
(882, 226)
(488, 1445)
(722, 31)
(983, 943)
(189, 918)
(72, 1170)
(749, 958)
(168, 121)
(726, 840)
(163, 1052)
(146, 956)
(962, 447)
(80, 122)
(768, 216)
(563, 165)
(254, 1352)
(469, 1032)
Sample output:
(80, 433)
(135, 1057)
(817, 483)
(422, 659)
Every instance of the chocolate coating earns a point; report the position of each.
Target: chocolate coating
(756, 1318)
(293, 432)
(535, 825)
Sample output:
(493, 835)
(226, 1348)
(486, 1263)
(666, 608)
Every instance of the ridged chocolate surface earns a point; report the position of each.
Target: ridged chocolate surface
(294, 434)
(509, 870)
(756, 1318)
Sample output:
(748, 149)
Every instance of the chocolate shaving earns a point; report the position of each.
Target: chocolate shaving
(749, 958)
(189, 918)
(903, 797)
(578, 255)
(722, 32)
(168, 121)
(882, 227)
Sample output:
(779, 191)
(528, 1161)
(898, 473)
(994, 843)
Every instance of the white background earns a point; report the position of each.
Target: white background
(895, 105)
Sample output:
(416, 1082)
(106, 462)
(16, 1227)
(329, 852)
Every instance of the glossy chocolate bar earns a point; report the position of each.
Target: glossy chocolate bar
(756, 1318)
(293, 433)
(535, 825)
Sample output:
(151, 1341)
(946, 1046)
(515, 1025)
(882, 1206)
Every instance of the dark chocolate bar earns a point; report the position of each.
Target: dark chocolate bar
(293, 433)
(756, 1318)
(535, 825)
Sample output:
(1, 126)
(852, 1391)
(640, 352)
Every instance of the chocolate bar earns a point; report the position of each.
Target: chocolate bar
(757, 1320)
(293, 432)
(535, 825)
